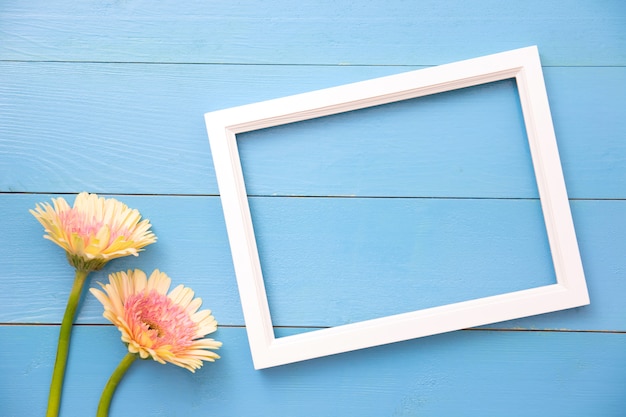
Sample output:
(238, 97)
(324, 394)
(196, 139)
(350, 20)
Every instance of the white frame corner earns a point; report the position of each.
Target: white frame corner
(524, 66)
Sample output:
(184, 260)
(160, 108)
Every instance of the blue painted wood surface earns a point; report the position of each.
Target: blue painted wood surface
(509, 373)
(359, 215)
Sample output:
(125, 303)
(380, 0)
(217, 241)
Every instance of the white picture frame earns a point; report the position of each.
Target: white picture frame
(524, 66)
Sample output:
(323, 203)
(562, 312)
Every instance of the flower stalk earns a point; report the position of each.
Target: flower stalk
(63, 347)
(112, 383)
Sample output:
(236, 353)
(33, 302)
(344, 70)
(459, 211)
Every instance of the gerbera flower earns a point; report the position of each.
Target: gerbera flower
(92, 233)
(166, 327)
(95, 230)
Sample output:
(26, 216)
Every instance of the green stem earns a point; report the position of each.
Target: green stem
(109, 389)
(56, 386)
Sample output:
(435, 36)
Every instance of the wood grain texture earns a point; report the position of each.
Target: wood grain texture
(375, 32)
(141, 128)
(358, 215)
(466, 373)
(328, 260)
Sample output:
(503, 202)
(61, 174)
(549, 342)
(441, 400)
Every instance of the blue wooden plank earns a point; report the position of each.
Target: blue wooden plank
(141, 129)
(589, 134)
(378, 257)
(468, 373)
(192, 248)
(332, 261)
(447, 144)
(328, 32)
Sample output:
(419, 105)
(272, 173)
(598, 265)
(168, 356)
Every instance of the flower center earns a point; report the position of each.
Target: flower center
(76, 221)
(163, 321)
(153, 326)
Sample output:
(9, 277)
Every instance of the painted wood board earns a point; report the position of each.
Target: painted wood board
(321, 33)
(297, 233)
(466, 373)
(142, 128)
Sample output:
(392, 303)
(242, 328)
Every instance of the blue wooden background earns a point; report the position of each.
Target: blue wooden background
(359, 215)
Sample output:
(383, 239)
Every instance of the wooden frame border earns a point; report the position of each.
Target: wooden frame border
(523, 65)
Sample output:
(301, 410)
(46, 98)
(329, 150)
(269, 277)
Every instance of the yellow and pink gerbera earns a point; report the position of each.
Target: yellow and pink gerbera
(166, 327)
(95, 230)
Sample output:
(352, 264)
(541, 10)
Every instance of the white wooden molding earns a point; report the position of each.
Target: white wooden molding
(524, 66)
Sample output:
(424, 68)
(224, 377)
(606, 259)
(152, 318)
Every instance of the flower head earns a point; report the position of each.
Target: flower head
(95, 230)
(166, 327)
